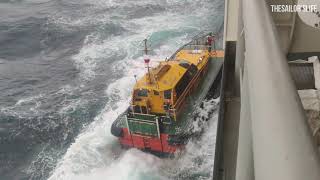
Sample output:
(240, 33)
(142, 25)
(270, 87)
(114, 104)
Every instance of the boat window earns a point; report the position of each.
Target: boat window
(137, 109)
(193, 70)
(167, 94)
(185, 80)
(144, 110)
(142, 92)
(185, 64)
(156, 93)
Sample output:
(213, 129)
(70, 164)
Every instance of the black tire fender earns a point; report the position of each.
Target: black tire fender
(116, 131)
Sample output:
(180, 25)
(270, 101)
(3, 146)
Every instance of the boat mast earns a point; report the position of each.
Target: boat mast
(146, 59)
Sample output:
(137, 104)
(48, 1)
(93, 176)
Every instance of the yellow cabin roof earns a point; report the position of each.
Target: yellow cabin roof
(168, 73)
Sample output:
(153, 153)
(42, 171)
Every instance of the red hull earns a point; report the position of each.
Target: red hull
(153, 144)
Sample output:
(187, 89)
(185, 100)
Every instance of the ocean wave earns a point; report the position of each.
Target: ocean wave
(66, 126)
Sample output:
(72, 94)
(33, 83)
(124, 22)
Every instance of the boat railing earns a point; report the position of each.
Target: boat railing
(199, 40)
(148, 121)
(147, 117)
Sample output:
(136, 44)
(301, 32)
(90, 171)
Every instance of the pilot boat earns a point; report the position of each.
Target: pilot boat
(157, 118)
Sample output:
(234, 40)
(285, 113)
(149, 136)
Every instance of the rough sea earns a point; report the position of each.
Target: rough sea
(66, 72)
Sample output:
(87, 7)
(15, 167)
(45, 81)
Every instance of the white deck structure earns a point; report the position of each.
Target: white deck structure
(263, 132)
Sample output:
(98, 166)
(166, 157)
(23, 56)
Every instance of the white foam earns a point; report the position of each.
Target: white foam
(92, 149)
(18, 109)
(27, 100)
(129, 166)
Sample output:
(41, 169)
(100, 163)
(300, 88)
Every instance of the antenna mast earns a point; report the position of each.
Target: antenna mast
(146, 59)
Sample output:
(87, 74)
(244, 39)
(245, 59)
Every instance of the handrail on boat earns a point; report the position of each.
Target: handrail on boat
(195, 38)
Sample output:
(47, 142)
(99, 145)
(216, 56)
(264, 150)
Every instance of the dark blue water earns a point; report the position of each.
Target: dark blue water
(66, 65)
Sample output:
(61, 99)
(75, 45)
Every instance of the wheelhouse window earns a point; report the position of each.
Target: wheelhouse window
(137, 109)
(185, 64)
(156, 93)
(192, 70)
(185, 80)
(167, 94)
(142, 92)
